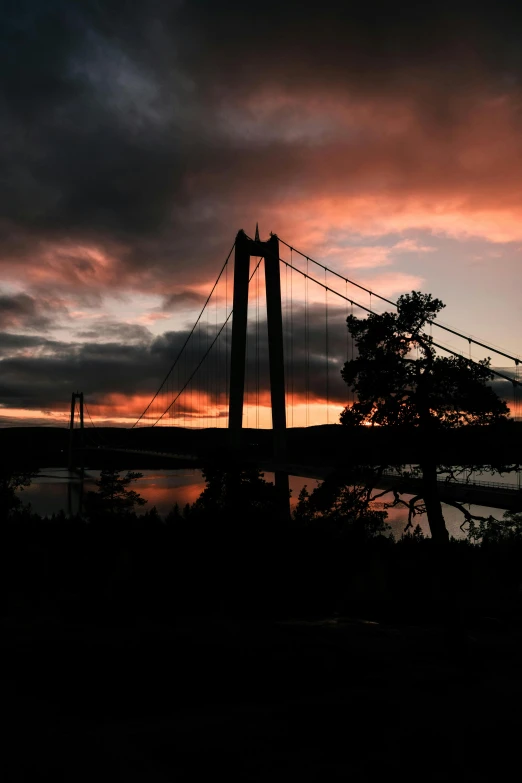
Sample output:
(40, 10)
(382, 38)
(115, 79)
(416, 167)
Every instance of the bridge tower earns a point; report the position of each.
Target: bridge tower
(269, 250)
(75, 396)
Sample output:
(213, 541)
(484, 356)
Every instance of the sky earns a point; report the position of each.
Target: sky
(384, 140)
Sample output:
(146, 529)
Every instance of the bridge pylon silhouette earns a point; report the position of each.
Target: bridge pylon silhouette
(75, 396)
(245, 248)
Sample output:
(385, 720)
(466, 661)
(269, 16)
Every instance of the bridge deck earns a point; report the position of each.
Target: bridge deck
(507, 497)
(481, 493)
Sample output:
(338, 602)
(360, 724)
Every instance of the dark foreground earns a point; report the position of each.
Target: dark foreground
(236, 700)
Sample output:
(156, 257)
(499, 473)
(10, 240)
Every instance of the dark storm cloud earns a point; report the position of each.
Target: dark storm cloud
(182, 299)
(99, 369)
(364, 45)
(37, 382)
(20, 311)
(82, 154)
(44, 380)
(15, 344)
(113, 112)
(113, 331)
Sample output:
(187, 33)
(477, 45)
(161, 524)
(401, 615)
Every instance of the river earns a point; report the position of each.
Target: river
(56, 489)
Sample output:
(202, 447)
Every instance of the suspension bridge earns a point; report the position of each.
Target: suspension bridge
(269, 381)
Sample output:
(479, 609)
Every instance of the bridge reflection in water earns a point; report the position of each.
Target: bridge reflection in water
(52, 489)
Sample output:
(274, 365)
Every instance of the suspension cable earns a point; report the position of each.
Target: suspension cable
(390, 301)
(96, 430)
(432, 342)
(247, 378)
(88, 414)
(188, 338)
(209, 348)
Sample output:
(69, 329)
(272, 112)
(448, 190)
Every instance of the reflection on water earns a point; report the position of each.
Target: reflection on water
(51, 491)
(57, 490)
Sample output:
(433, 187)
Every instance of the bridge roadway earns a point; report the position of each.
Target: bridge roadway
(490, 494)
(480, 493)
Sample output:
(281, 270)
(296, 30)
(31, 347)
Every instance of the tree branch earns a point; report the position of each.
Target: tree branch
(468, 516)
(413, 510)
(384, 492)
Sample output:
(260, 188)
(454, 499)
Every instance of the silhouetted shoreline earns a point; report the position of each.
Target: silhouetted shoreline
(327, 444)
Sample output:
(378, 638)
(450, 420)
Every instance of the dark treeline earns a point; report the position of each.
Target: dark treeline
(232, 554)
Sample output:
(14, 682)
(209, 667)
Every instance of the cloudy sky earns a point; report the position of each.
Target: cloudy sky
(137, 138)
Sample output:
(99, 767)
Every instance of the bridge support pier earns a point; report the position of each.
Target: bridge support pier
(244, 249)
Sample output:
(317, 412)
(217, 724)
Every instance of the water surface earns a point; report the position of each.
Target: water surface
(56, 489)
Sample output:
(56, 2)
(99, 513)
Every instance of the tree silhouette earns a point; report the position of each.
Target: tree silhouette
(113, 496)
(11, 482)
(236, 492)
(399, 380)
(344, 501)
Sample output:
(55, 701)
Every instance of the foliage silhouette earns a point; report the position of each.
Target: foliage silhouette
(501, 531)
(399, 380)
(237, 493)
(113, 496)
(11, 482)
(345, 502)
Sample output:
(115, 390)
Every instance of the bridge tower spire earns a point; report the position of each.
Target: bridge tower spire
(269, 250)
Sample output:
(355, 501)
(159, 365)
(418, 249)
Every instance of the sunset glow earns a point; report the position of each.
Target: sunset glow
(396, 162)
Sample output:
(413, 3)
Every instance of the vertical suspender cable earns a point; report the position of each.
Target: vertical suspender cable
(216, 378)
(291, 340)
(184, 375)
(209, 369)
(326, 346)
(307, 338)
(287, 346)
(201, 397)
(257, 350)
(247, 374)
(226, 340)
(304, 356)
(516, 395)
(518, 411)
(191, 385)
(352, 354)
(220, 372)
(347, 332)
